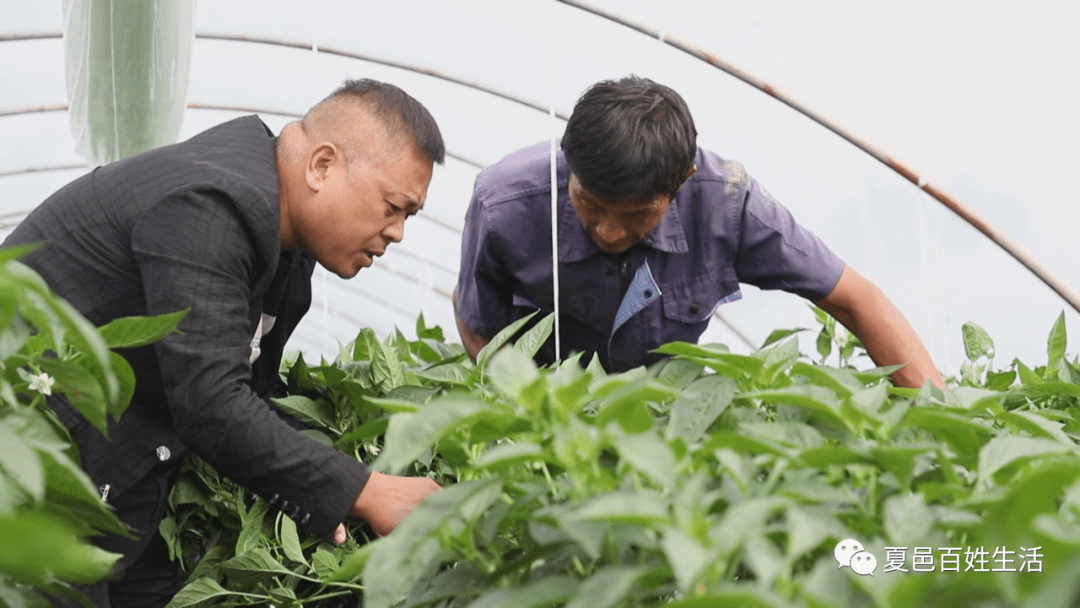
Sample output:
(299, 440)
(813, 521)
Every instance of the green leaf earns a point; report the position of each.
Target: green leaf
(125, 377)
(500, 339)
(644, 508)
(508, 454)
(908, 521)
(386, 368)
(1037, 425)
(965, 435)
(687, 556)
(20, 463)
(1005, 450)
(511, 370)
(200, 591)
(37, 548)
(253, 567)
(326, 565)
(131, 332)
(532, 340)
(539, 594)
(1055, 346)
(290, 539)
(403, 558)
(816, 399)
(780, 334)
(410, 435)
(977, 343)
(251, 534)
(81, 388)
(306, 410)
(649, 454)
(698, 406)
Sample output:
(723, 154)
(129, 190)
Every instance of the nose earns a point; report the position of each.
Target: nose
(610, 231)
(395, 231)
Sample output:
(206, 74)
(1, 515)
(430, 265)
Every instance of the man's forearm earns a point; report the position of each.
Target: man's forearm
(473, 342)
(886, 334)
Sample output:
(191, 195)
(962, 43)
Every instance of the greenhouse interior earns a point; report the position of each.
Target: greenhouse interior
(928, 144)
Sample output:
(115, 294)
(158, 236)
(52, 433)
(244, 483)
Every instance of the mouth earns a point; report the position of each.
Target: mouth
(371, 254)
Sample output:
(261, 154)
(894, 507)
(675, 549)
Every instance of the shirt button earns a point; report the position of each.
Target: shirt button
(163, 453)
(693, 310)
(648, 293)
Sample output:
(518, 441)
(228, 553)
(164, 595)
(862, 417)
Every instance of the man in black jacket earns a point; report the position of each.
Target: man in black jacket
(229, 224)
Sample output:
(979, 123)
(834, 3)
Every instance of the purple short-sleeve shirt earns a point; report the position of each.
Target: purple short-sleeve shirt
(721, 229)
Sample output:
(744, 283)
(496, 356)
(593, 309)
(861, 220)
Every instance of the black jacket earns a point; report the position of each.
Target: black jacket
(193, 225)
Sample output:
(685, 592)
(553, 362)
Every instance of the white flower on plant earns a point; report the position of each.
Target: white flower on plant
(42, 383)
(373, 449)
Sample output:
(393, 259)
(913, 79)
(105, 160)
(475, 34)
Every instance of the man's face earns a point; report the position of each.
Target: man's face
(616, 226)
(356, 214)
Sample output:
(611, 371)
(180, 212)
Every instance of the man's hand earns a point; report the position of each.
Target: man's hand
(888, 337)
(386, 500)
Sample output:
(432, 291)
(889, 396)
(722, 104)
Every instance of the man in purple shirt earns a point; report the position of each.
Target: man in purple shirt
(654, 234)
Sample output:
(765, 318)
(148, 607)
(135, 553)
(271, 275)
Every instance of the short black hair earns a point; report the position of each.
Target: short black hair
(399, 112)
(630, 138)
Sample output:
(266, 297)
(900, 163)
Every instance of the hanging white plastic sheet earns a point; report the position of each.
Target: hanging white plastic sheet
(127, 67)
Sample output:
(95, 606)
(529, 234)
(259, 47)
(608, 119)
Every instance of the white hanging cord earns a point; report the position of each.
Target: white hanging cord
(554, 214)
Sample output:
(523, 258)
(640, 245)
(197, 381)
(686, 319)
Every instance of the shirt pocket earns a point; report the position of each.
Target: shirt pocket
(694, 300)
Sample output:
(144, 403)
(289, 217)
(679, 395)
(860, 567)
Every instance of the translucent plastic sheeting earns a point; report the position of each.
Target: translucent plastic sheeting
(939, 271)
(126, 63)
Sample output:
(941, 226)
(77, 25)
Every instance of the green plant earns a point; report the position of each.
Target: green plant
(711, 479)
(48, 506)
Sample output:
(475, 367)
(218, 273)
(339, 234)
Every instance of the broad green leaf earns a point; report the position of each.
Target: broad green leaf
(125, 377)
(371, 428)
(698, 406)
(606, 588)
(70, 491)
(649, 454)
(539, 594)
(780, 334)
(972, 398)
(627, 405)
(410, 435)
(200, 591)
(977, 343)
(1055, 345)
(827, 456)
(511, 370)
(386, 368)
(679, 373)
(290, 539)
(965, 435)
(644, 508)
(900, 460)
(743, 444)
(908, 520)
(326, 565)
(37, 548)
(252, 567)
(14, 252)
(508, 454)
(843, 382)
(450, 373)
(1037, 425)
(251, 531)
(81, 388)
(793, 434)
(394, 406)
(723, 362)
(820, 401)
(400, 560)
(1004, 450)
(306, 410)
(500, 339)
(131, 332)
(20, 463)
(531, 341)
(686, 555)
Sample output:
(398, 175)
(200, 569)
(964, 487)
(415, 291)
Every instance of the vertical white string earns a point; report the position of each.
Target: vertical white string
(554, 211)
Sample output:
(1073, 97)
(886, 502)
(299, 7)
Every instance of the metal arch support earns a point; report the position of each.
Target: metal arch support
(966, 213)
